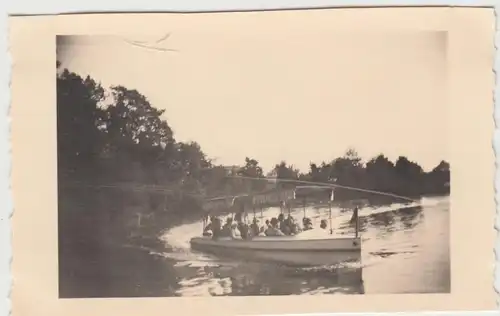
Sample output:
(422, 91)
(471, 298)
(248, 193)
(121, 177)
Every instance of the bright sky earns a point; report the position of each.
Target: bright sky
(275, 94)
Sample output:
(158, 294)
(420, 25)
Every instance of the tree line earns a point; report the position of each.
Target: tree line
(114, 136)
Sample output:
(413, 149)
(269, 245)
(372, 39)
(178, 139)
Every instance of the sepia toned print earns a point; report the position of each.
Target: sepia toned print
(156, 200)
(147, 161)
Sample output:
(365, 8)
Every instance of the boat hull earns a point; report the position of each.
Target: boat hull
(284, 250)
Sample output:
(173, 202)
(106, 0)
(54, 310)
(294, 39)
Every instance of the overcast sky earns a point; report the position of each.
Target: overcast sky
(277, 94)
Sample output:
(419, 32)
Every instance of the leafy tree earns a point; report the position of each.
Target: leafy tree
(438, 180)
(194, 164)
(252, 170)
(133, 125)
(381, 174)
(410, 176)
(288, 172)
(79, 138)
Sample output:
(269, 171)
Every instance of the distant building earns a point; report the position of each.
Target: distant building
(232, 169)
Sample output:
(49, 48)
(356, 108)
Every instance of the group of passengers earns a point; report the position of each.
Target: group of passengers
(238, 228)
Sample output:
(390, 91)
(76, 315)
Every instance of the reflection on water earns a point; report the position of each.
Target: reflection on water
(405, 250)
(258, 279)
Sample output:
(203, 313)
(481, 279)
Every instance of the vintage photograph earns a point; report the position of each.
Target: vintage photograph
(205, 161)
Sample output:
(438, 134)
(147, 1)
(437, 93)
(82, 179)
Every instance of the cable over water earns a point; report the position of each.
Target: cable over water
(160, 188)
(328, 184)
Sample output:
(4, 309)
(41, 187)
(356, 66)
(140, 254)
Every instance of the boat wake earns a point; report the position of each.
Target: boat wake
(178, 238)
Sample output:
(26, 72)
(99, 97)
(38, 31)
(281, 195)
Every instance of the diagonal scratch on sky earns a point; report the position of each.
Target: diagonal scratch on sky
(151, 45)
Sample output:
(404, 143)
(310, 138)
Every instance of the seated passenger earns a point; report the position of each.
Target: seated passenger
(265, 226)
(288, 225)
(215, 226)
(210, 224)
(234, 232)
(244, 230)
(323, 224)
(238, 217)
(273, 229)
(286, 229)
(254, 228)
(307, 223)
(281, 221)
(226, 229)
(294, 227)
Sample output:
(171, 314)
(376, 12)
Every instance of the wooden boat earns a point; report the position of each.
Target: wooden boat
(307, 248)
(287, 250)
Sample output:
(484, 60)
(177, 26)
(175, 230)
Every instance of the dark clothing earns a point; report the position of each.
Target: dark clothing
(226, 231)
(255, 229)
(243, 228)
(238, 217)
(323, 224)
(215, 225)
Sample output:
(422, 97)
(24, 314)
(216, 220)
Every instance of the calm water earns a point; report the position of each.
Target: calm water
(405, 250)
